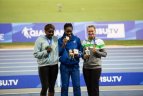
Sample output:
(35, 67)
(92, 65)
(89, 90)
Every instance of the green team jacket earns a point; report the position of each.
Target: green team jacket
(94, 61)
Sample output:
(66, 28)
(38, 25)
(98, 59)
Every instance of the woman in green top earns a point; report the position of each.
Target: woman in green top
(93, 51)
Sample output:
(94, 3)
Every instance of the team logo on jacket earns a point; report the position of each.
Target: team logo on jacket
(74, 41)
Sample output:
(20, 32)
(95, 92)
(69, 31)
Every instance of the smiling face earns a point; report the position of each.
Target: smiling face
(91, 32)
(49, 33)
(49, 30)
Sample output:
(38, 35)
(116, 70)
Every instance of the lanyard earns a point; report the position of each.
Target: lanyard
(94, 42)
(49, 41)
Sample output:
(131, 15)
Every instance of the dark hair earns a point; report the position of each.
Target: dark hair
(68, 25)
(48, 26)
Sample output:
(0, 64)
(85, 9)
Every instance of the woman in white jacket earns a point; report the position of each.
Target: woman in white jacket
(46, 52)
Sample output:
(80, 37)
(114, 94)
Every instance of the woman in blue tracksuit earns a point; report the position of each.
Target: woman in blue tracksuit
(70, 50)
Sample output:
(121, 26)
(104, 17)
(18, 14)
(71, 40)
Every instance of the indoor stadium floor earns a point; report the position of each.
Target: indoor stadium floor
(11, 69)
(102, 93)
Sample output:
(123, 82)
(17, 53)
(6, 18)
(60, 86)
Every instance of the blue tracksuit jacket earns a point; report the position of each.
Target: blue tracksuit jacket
(73, 43)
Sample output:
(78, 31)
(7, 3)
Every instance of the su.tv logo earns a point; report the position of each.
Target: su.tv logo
(29, 32)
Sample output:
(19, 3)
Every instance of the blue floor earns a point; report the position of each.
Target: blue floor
(102, 93)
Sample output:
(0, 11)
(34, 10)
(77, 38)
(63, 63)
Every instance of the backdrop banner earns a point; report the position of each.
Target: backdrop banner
(106, 79)
(6, 32)
(28, 32)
